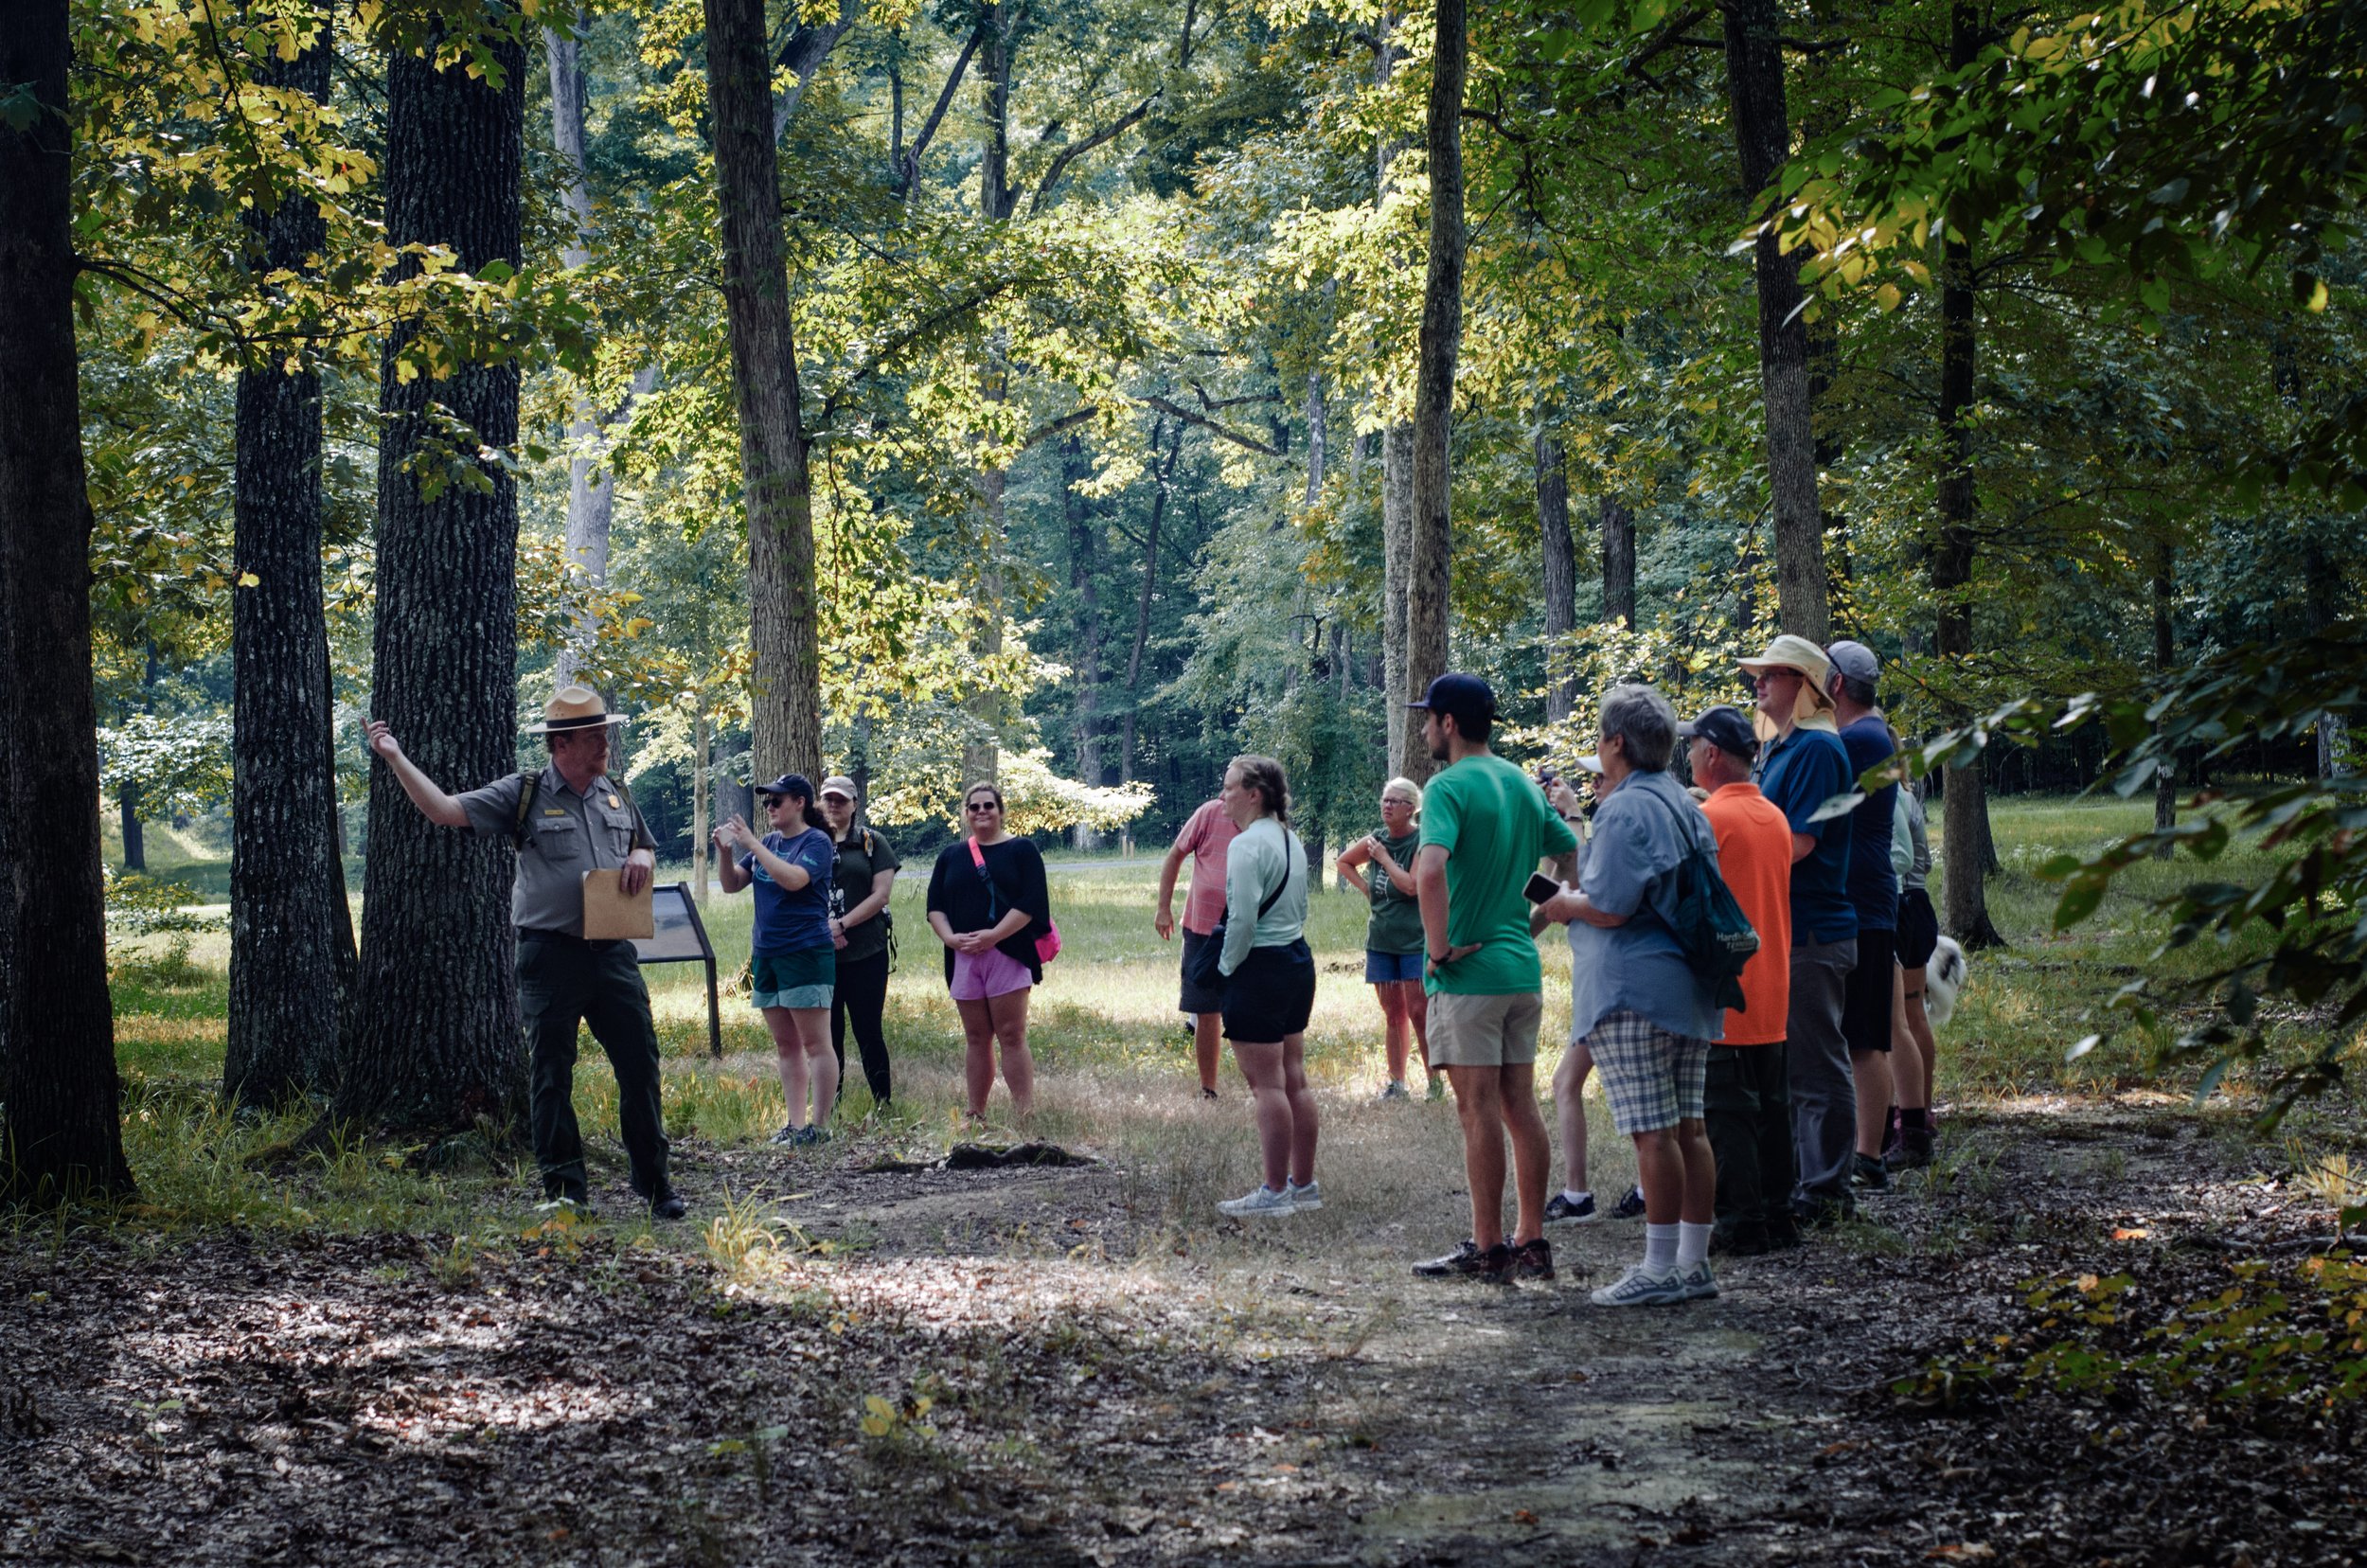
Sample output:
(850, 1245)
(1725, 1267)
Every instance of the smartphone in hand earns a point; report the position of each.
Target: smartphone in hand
(1540, 887)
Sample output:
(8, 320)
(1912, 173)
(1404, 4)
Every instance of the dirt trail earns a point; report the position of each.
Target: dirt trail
(1099, 1387)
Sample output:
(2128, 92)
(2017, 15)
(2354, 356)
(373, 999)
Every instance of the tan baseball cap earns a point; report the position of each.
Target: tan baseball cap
(839, 784)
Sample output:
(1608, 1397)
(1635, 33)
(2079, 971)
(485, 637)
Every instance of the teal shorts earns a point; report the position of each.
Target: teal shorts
(800, 979)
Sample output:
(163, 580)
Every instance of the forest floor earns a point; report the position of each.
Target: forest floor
(355, 1361)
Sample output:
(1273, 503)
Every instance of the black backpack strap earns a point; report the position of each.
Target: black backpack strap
(530, 787)
(642, 837)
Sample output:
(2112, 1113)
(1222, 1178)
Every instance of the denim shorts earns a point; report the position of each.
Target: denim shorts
(1382, 968)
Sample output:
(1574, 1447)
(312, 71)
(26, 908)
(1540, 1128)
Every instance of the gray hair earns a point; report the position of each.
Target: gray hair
(1645, 724)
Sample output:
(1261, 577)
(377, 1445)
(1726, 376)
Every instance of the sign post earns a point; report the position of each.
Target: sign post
(682, 939)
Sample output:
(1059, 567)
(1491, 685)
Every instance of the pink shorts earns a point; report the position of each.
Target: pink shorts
(994, 972)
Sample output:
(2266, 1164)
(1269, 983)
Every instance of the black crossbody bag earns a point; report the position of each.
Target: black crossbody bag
(1210, 952)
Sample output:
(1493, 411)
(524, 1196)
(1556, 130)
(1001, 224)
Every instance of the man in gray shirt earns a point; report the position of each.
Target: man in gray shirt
(569, 819)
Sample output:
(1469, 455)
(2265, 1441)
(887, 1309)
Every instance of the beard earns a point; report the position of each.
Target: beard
(1439, 751)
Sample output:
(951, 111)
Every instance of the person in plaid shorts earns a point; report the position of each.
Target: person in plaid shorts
(1643, 1017)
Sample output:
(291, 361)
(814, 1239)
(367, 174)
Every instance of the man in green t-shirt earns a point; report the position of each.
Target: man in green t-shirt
(1484, 826)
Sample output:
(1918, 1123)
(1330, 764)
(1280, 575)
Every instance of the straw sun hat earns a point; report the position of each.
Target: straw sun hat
(575, 707)
(1812, 705)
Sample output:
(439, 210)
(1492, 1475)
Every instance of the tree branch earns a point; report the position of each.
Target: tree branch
(1066, 422)
(911, 172)
(807, 48)
(1070, 153)
(1671, 32)
(1176, 410)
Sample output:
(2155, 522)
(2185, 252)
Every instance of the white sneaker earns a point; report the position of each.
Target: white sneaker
(1308, 1196)
(1262, 1200)
(1640, 1287)
(1700, 1283)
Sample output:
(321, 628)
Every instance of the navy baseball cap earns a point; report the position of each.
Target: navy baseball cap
(787, 785)
(1725, 728)
(1463, 696)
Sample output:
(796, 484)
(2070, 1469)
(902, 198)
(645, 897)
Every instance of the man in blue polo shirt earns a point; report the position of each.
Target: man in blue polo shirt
(1803, 766)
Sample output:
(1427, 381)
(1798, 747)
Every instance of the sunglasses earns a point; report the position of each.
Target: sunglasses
(982, 805)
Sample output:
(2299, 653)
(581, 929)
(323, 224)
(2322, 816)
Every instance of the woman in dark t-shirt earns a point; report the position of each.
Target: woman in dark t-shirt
(988, 917)
(792, 967)
(859, 925)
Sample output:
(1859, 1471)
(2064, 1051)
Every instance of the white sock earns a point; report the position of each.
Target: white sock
(1576, 1195)
(1693, 1243)
(1660, 1248)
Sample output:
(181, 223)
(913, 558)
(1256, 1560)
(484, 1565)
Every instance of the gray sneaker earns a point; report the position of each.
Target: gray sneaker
(1397, 1091)
(1308, 1196)
(1260, 1202)
(1700, 1283)
(1639, 1287)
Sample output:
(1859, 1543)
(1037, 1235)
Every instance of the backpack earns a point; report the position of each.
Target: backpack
(1710, 927)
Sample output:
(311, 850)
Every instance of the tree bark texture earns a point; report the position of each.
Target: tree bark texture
(1396, 546)
(435, 1043)
(590, 490)
(1561, 558)
(1965, 800)
(1617, 523)
(2164, 656)
(1428, 563)
(1754, 82)
(1084, 566)
(786, 691)
(1316, 421)
(1163, 470)
(127, 823)
(286, 885)
(998, 34)
(60, 1132)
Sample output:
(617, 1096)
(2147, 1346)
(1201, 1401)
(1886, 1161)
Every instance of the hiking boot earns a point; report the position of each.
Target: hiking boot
(1308, 1196)
(1533, 1261)
(1395, 1090)
(1260, 1202)
(666, 1204)
(1754, 1242)
(1866, 1171)
(1700, 1282)
(1207, 1093)
(1630, 1206)
(789, 1138)
(1559, 1210)
(1470, 1261)
(1915, 1151)
(1640, 1287)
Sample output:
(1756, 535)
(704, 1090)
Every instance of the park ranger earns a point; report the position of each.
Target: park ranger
(567, 819)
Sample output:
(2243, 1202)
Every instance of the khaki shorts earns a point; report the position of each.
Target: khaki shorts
(1497, 1030)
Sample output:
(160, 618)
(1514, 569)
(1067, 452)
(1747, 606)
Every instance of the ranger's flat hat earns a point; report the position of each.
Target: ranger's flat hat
(575, 707)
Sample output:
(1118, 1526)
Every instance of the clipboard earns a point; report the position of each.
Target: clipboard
(609, 916)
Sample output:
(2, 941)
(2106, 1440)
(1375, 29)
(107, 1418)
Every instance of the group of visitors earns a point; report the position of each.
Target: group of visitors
(1750, 1122)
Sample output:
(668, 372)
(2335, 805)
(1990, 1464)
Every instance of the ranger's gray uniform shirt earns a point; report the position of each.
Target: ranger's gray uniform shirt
(567, 836)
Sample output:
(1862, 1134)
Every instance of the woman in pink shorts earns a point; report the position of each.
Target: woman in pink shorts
(987, 904)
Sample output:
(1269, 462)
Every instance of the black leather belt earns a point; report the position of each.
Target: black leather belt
(532, 934)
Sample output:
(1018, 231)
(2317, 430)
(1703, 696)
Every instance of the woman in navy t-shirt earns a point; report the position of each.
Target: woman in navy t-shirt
(794, 963)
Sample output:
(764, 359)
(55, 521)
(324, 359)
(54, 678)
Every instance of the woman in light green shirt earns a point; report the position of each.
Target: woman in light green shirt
(1270, 983)
(1393, 934)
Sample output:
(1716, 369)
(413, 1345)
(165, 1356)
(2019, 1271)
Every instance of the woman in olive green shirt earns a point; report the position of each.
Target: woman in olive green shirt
(1393, 932)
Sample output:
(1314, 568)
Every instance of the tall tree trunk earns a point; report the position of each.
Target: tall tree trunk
(1084, 566)
(285, 878)
(1162, 471)
(590, 490)
(60, 1103)
(128, 822)
(784, 695)
(1315, 437)
(1965, 804)
(1427, 563)
(997, 29)
(702, 846)
(1560, 552)
(1397, 545)
(2164, 656)
(1754, 82)
(1618, 529)
(2321, 607)
(435, 1043)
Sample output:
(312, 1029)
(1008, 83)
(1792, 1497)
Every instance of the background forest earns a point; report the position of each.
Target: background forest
(1106, 388)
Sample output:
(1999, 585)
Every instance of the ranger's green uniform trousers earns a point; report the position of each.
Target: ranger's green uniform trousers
(563, 981)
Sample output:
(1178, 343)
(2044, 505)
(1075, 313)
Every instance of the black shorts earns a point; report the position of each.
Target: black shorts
(1919, 928)
(1197, 999)
(1271, 994)
(1865, 1003)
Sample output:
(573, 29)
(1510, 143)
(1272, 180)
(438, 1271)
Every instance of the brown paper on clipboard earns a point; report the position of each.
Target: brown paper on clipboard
(610, 916)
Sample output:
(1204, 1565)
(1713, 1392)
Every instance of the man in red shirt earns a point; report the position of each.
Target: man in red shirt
(1205, 838)
(1745, 1100)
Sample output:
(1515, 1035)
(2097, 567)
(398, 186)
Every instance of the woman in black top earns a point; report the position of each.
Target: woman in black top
(988, 917)
(866, 870)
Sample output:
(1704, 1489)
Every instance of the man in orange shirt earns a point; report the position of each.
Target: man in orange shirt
(1206, 838)
(1745, 1101)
